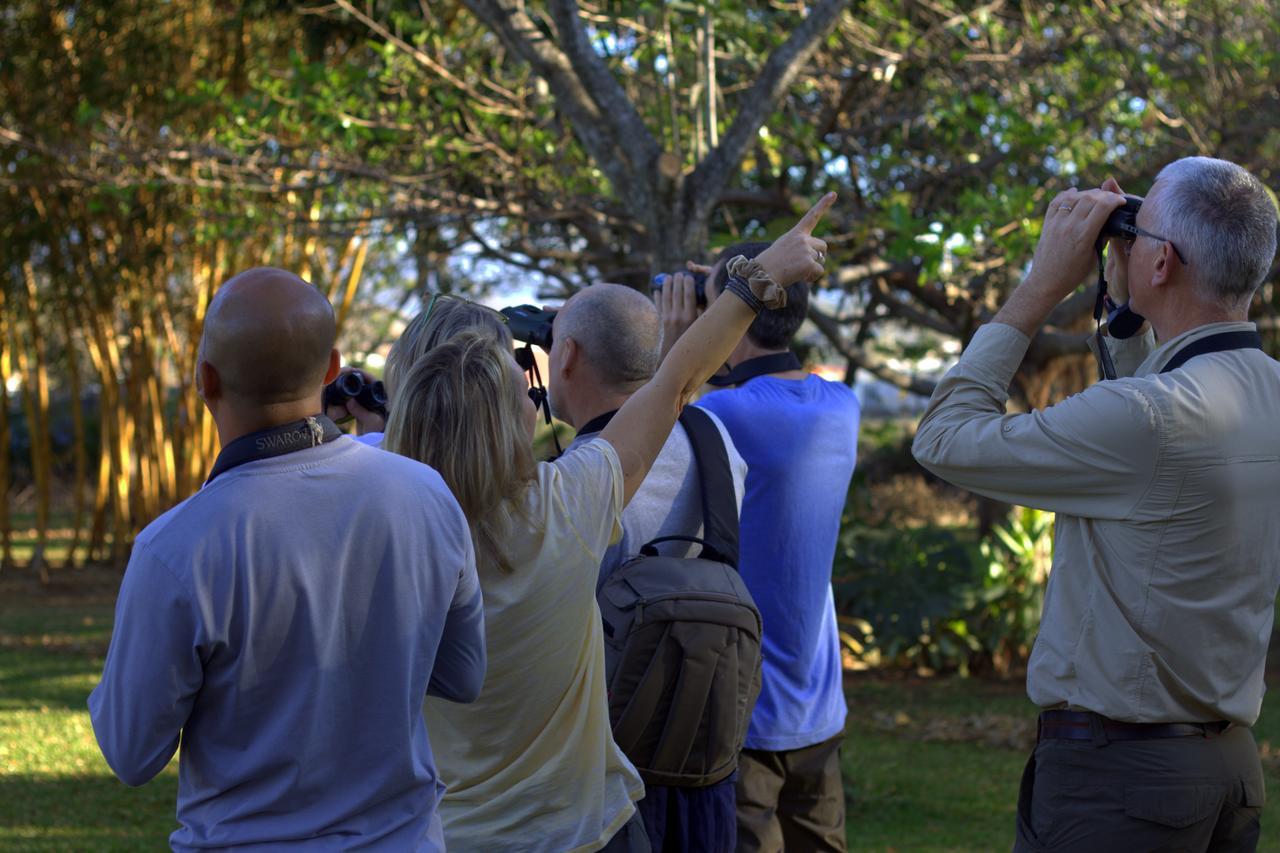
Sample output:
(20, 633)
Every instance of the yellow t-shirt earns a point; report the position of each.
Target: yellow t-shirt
(531, 765)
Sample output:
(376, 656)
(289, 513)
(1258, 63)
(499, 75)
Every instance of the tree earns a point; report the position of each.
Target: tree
(381, 148)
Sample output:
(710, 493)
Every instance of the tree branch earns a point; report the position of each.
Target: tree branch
(508, 20)
(628, 129)
(714, 172)
(830, 328)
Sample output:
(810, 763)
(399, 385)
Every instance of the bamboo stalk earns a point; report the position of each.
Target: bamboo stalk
(353, 282)
(35, 396)
(6, 368)
(102, 487)
(78, 428)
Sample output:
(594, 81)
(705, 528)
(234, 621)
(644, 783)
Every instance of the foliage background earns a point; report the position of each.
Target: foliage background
(389, 149)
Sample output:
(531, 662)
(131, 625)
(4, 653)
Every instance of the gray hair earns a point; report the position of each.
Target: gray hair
(619, 332)
(1223, 220)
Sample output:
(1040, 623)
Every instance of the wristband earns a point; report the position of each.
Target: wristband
(759, 282)
(738, 287)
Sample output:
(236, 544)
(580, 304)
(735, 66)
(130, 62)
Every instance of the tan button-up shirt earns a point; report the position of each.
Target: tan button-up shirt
(1167, 543)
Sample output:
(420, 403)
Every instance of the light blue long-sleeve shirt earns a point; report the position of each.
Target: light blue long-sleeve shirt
(286, 622)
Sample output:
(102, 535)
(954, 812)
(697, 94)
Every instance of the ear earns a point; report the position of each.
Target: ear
(570, 356)
(335, 366)
(208, 382)
(1162, 272)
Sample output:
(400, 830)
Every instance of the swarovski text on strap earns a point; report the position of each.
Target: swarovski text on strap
(275, 441)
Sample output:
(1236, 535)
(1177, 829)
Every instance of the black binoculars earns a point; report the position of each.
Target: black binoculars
(1123, 221)
(530, 325)
(371, 395)
(699, 285)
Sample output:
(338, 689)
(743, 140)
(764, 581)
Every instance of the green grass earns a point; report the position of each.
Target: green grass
(56, 792)
(929, 765)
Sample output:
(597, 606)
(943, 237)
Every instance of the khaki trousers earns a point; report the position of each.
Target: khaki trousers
(792, 800)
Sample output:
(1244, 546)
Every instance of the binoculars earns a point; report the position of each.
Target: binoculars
(1123, 221)
(530, 325)
(371, 395)
(699, 285)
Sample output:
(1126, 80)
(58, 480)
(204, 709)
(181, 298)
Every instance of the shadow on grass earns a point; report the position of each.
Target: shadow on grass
(40, 812)
(35, 679)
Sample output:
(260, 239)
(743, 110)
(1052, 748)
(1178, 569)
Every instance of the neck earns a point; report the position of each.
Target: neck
(596, 405)
(235, 420)
(1194, 316)
(748, 349)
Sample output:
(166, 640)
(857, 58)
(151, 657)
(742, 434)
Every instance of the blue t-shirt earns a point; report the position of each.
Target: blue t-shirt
(288, 621)
(799, 438)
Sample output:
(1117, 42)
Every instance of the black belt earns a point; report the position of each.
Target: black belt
(1086, 725)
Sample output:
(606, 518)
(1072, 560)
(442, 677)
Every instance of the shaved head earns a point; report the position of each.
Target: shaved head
(269, 336)
(618, 330)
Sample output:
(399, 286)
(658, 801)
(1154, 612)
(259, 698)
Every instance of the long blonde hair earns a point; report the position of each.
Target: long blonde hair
(459, 410)
(444, 317)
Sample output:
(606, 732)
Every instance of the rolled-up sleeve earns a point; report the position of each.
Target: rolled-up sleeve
(1094, 454)
(152, 674)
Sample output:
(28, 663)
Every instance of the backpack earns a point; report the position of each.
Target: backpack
(682, 640)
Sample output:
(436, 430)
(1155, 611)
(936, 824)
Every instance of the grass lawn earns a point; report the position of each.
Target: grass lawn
(929, 765)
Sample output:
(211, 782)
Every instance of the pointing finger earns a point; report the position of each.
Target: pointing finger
(811, 219)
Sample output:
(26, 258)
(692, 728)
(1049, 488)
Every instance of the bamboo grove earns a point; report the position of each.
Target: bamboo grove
(142, 440)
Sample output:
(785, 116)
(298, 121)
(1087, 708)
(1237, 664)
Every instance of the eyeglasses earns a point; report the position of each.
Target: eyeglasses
(1139, 232)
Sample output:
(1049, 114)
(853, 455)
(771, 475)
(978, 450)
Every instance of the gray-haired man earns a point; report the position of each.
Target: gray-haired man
(1149, 662)
(606, 346)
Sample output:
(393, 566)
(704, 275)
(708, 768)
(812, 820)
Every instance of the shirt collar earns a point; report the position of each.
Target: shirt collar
(596, 424)
(1161, 355)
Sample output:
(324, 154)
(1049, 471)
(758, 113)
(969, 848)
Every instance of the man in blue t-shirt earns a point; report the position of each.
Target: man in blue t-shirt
(283, 633)
(798, 434)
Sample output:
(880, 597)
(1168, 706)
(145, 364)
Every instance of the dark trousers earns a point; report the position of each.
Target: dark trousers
(792, 800)
(630, 839)
(1166, 794)
(679, 820)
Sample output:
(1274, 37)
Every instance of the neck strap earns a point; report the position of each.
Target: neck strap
(597, 423)
(1221, 342)
(275, 441)
(778, 362)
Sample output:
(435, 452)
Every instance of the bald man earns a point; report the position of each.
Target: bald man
(605, 345)
(285, 634)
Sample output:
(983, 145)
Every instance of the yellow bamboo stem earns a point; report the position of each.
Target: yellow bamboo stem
(353, 283)
(75, 385)
(6, 369)
(35, 389)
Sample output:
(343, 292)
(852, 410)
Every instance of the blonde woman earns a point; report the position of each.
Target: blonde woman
(444, 317)
(531, 765)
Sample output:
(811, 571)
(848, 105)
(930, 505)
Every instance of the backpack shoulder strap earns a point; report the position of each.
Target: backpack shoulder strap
(719, 504)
